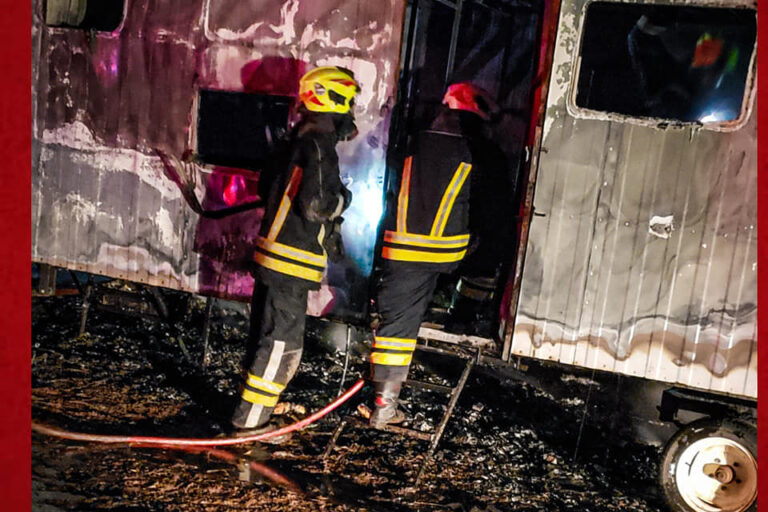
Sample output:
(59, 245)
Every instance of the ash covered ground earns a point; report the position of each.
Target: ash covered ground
(508, 446)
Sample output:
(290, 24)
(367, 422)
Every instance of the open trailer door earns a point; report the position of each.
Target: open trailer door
(640, 256)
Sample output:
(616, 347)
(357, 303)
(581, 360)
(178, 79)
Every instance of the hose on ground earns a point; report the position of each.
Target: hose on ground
(171, 442)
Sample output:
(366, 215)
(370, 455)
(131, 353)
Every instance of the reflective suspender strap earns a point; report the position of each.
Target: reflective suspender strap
(402, 199)
(449, 197)
(285, 203)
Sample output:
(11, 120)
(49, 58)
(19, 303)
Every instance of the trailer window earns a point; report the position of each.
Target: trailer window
(239, 129)
(676, 63)
(101, 15)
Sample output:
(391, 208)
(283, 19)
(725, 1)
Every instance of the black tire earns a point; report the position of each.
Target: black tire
(708, 430)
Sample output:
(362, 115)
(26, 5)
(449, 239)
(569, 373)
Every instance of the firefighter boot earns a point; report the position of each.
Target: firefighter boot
(251, 419)
(385, 411)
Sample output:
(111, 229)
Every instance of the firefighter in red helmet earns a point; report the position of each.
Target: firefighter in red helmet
(305, 201)
(426, 232)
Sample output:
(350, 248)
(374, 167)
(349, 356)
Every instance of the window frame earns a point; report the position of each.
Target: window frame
(60, 29)
(194, 125)
(748, 99)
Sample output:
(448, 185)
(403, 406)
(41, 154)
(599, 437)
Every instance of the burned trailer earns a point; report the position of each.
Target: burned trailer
(148, 113)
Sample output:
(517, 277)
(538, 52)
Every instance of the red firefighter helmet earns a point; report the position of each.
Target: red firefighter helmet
(467, 96)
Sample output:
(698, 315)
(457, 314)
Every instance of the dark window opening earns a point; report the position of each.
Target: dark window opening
(240, 129)
(686, 64)
(101, 15)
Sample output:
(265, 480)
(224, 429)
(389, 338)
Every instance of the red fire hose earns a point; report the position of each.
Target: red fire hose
(170, 442)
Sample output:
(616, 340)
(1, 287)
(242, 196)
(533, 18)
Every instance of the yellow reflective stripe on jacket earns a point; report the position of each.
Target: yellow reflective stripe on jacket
(294, 253)
(402, 199)
(391, 359)
(285, 203)
(442, 242)
(449, 197)
(287, 268)
(392, 253)
(403, 344)
(265, 385)
(257, 398)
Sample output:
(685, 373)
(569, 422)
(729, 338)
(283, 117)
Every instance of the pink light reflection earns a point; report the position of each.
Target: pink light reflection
(236, 184)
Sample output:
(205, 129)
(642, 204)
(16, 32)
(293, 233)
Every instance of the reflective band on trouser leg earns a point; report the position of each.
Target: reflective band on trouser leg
(277, 338)
(391, 359)
(402, 297)
(259, 397)
(390, 351)
(264, 385)
(261, 391)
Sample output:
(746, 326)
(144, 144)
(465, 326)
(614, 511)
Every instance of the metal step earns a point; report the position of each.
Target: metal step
(434, 437)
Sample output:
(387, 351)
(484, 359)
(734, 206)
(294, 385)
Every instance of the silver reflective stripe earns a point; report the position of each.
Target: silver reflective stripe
(459, 241)
(274, 360)
(253, 415)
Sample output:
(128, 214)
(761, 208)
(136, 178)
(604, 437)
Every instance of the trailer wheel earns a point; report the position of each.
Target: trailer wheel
(711, 466)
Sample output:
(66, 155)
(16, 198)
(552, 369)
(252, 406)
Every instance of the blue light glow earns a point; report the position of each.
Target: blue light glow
(361, 220)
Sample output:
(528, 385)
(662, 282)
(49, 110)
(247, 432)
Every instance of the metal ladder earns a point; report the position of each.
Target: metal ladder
(434, 437)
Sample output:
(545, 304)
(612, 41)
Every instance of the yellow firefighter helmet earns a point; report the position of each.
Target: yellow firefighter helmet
(328, 89)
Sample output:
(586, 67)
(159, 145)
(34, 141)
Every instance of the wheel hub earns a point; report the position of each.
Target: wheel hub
(717, 474)
(722, 473)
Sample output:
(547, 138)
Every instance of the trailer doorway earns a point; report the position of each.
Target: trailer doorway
(495, 45)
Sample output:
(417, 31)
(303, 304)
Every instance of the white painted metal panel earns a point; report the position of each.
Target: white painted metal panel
(600, 288)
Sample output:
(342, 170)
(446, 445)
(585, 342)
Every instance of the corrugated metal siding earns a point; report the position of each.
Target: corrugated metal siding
(104, 102)
(598, 289)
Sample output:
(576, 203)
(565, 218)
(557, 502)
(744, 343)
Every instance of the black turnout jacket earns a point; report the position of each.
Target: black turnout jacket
(302, 199)
(428, 224)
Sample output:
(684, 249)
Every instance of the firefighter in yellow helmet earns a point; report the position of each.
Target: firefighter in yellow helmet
(299, 233)
(426, 233)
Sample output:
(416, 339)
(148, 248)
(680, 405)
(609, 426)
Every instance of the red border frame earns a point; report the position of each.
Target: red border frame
(15, 294)
(762, 244)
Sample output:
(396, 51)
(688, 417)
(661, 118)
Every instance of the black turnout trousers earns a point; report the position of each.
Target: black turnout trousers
(403, 296)
(276, 340)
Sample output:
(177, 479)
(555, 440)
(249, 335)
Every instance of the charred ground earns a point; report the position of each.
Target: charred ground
(509, 445)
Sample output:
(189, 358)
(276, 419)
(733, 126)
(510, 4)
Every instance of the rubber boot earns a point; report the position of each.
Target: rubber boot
(385, 411)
